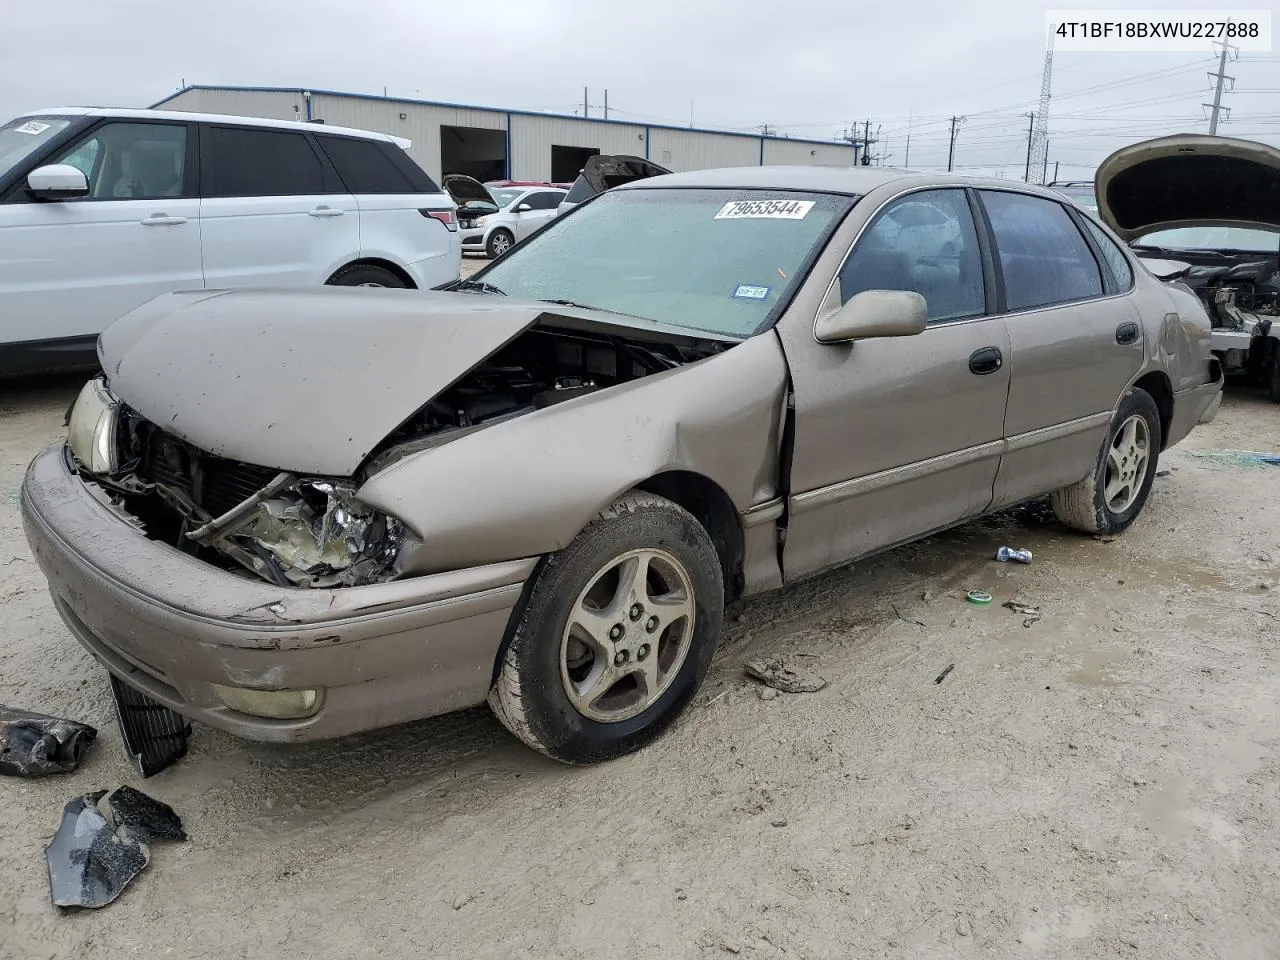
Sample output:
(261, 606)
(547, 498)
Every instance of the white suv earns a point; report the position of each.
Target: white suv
(102, 210)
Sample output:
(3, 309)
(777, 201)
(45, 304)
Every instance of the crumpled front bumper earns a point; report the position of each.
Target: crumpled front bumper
(170, 625)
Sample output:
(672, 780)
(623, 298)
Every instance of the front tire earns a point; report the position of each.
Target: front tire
(500, 241)
(1110, 498)
(616, 635)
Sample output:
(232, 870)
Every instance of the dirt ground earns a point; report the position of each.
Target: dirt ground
(1101, 783)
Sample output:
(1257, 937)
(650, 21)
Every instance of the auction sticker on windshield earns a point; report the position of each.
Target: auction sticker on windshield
(765, 209)
(33, 127)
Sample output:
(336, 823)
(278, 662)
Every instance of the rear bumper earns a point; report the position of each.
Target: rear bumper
(1196, 406)
(171, 626)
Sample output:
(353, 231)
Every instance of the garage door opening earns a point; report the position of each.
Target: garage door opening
(566, 162)
(474, 151)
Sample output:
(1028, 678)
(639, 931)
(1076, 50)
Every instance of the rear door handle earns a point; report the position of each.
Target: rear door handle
(160, 220)
(326, 212)
(1127, 332)
(987, 360)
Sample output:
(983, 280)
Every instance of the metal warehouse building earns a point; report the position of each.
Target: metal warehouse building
(492, 144)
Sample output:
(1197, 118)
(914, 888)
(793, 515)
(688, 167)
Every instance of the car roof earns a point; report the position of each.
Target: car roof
(853, 181)
(135, 113)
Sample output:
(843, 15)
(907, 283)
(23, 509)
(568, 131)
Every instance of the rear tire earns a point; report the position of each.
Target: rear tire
(500, 241)
(366, 275)
(603, 658)
(1110, 498)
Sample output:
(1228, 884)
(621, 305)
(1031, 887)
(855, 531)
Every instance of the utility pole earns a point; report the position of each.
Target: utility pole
(906, 160)
(1216, 107)
(606, 104)
(951, 151)
(1044, 170)
(584, 102)
(850, 135)
(766, 130)
(1031, 130)
(1055, 171)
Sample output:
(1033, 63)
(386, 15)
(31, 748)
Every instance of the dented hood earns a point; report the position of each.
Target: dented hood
(303, 380)
(1189, 180)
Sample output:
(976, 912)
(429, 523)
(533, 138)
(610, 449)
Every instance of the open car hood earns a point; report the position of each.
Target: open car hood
(1189, 180)
(309, 381)
(606, 172)
(466, 189)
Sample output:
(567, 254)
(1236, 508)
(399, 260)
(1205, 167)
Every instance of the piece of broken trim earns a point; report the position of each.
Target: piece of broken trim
(33, 745)
(776, 674)
(154, 736)
(101, 845)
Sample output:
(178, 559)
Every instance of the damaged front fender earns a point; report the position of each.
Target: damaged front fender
(527, 486)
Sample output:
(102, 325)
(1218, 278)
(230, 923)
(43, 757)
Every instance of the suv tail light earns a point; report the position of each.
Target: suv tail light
(448, 217)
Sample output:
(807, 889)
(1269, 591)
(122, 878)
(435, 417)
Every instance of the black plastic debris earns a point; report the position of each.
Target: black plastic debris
(32, 745)
(154, 736)
(146, 818)
(90, 862)
(101, 845)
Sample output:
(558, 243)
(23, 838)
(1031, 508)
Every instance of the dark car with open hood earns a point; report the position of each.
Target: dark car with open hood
(299, 514)
(1205, 212)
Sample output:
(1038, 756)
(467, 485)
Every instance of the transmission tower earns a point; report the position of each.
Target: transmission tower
(1037, 162)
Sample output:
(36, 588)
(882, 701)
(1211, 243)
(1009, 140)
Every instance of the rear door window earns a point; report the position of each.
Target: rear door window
(246, 162)
(924, 242)
(544, 200)
(581, 190)
(364, 166)
(1117, 263)
(1044, 257)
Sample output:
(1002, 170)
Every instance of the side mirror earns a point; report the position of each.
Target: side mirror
(874, 313)
(57, 181)
(523, 208)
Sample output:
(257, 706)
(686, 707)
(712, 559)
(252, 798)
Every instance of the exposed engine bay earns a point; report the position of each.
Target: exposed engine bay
(1241, 293)
(303, 531)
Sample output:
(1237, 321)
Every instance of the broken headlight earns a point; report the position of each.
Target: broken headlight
(91, 429)
(308, 532)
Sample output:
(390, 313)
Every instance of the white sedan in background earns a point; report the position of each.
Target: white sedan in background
(521, 212)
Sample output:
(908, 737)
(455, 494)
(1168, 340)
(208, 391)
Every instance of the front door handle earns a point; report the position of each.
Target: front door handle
(1127, 332)
(160, 220)
(987, 360)
(326, 212)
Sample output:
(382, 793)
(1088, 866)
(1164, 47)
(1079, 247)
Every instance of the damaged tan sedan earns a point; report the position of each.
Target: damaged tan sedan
(295, 515)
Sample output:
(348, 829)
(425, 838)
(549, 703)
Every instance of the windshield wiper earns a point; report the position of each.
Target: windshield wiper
(482, 287)
(587, 306)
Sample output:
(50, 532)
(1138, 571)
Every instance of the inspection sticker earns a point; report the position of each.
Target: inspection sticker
(765, 209)
(747, 292)
(32, 127)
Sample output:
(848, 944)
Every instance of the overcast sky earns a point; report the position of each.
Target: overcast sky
(807, 67)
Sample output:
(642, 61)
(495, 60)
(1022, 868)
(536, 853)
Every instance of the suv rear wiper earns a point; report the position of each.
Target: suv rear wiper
(482, 287)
